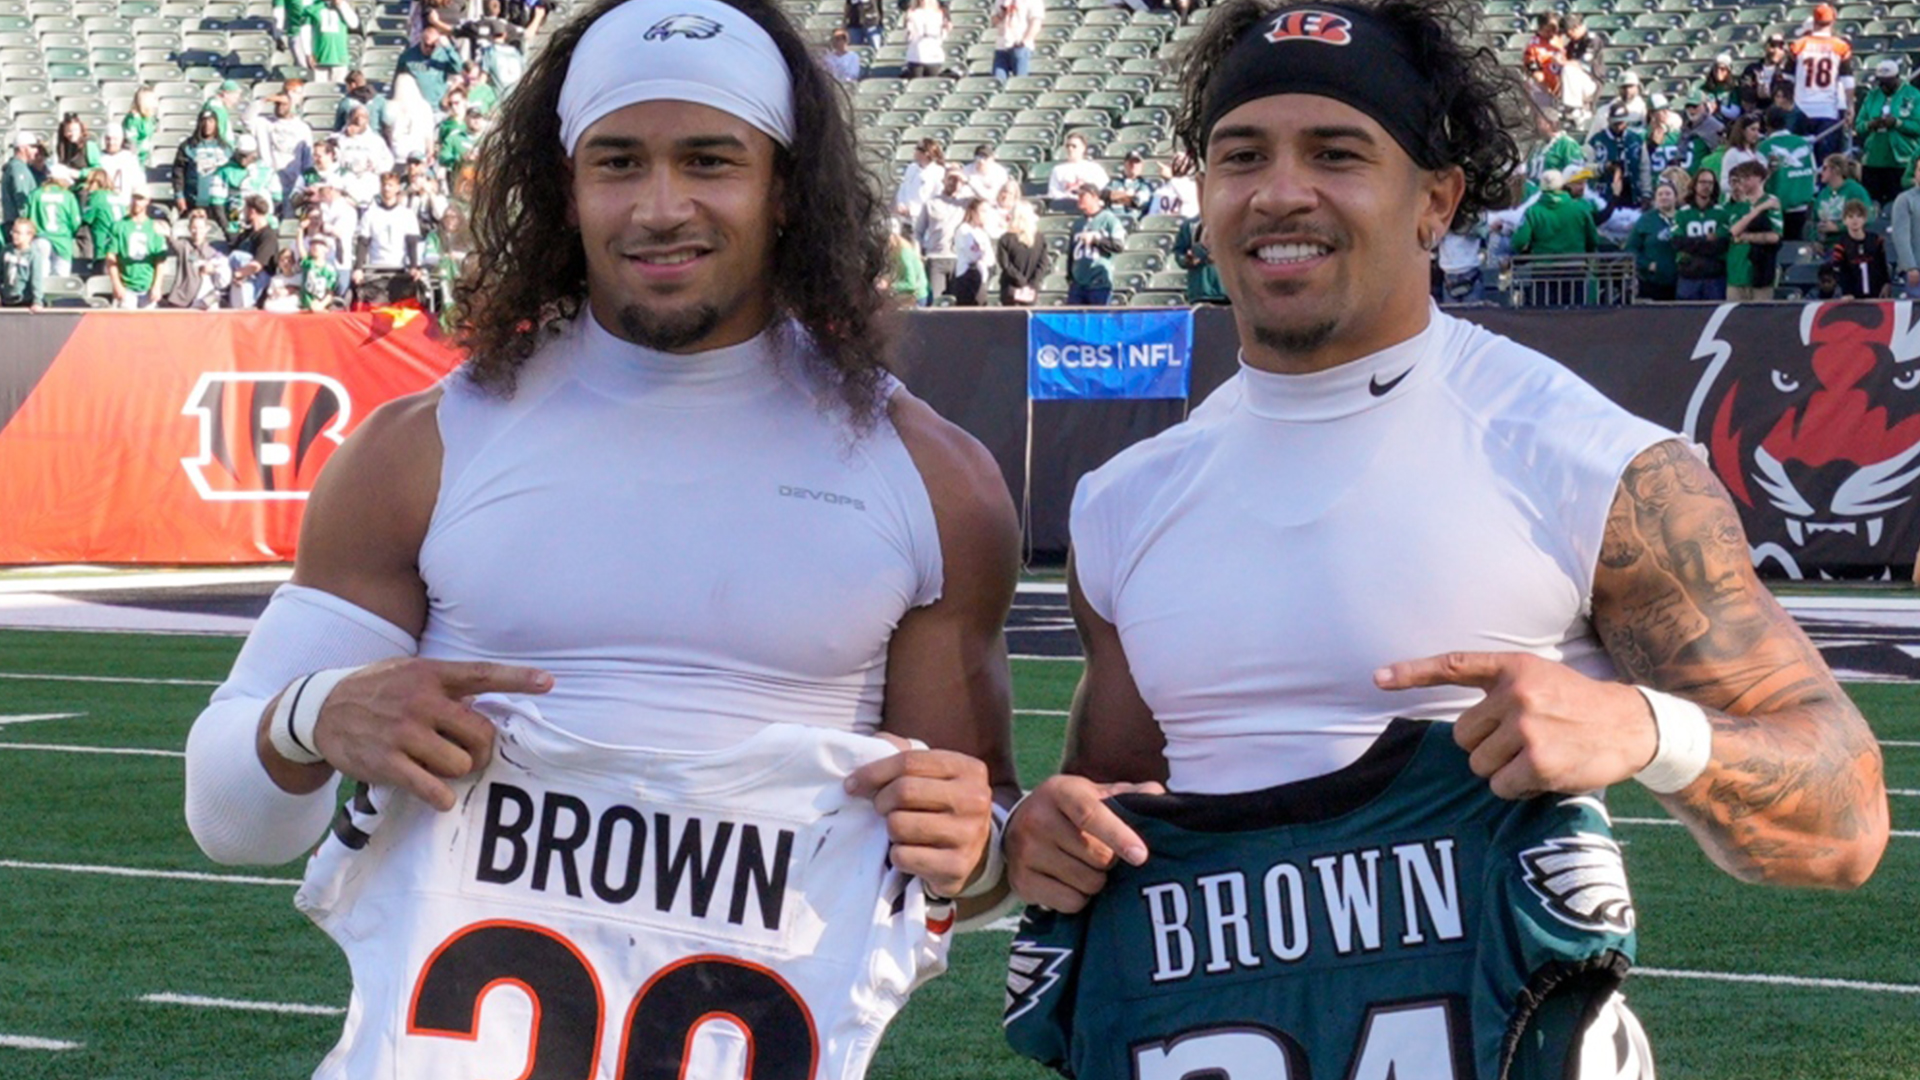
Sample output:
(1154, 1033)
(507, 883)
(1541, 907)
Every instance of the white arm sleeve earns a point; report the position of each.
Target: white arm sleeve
(235, 811)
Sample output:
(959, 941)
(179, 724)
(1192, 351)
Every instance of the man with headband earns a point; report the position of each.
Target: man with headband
(665, 637)
(1391, 513)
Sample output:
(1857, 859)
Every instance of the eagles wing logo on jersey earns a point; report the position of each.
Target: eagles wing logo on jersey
(1306, 24)
(1032, 970)
(697, 27)
(1582, 881)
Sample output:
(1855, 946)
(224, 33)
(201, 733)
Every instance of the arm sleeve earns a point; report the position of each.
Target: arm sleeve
(237, 814)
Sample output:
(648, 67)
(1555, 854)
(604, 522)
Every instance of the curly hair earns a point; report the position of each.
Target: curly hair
(528, 267)
(1481, 100)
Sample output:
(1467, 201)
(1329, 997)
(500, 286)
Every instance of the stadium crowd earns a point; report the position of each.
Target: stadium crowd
(265, 212)
(1789, 179)
(1776, 175)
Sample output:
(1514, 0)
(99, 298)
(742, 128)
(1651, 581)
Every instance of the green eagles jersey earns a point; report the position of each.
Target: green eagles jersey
(1830, 204)
(1392, 918)
(1792, 175)
(139, 131)
(331, 47)
(1700, 237)
(1744, 269)
(56, 217)
(318, 278)
(138, 249)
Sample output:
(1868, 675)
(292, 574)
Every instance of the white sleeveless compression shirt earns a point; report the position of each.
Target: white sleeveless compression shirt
(694, 546)
(1261, 560)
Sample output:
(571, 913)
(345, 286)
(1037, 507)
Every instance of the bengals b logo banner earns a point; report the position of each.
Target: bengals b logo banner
(137, 437)
(264, 436)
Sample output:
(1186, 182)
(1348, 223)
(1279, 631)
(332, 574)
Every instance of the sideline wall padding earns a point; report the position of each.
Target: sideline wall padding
(193, 438)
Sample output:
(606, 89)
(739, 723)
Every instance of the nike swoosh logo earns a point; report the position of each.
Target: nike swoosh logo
(1382, 389)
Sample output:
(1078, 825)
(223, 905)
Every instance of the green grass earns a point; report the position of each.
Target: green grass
(78, 951)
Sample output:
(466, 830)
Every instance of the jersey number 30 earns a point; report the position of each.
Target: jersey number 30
(569, 1009)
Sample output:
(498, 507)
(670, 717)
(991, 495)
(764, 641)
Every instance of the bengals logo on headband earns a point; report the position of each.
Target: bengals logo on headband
(1306, 24)
(698, 27)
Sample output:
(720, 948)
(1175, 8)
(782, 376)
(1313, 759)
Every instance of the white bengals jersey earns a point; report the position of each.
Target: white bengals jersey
(597, 911)
(1822, 75)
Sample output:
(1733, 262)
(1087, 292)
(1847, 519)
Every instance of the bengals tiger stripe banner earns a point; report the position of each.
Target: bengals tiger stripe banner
(160, 437)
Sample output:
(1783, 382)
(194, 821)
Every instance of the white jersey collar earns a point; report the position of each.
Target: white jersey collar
(1352, 387)
(618, 368)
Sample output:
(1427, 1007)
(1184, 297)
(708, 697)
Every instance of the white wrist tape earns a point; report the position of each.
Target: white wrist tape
(298, 712)
(1686, 742)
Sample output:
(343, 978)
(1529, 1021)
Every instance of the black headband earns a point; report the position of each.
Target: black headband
(1337, 51)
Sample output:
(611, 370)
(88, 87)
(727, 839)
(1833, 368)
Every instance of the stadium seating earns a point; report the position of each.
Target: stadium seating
(1098, 70)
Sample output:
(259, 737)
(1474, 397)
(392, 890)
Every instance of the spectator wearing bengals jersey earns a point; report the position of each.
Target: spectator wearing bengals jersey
(1544, 60)
(1821, 62)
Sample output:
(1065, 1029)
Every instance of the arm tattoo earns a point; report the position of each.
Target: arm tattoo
(1794, 789)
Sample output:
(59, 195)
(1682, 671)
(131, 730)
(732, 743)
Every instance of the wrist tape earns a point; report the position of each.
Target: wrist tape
(298, 712)
(996, 865)
(1686, 743)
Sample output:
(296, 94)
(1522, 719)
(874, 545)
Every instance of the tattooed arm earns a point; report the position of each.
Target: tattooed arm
(1793, 793)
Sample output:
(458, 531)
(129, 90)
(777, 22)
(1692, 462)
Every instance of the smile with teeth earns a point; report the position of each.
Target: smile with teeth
(1282, 254)
(669, 258)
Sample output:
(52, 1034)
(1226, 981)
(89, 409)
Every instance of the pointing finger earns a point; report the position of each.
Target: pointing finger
(1103, 826)
(1479, 670)
(464, 678)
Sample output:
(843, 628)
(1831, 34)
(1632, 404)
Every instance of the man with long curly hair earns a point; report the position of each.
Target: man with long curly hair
(1392, 513)
(665, 637)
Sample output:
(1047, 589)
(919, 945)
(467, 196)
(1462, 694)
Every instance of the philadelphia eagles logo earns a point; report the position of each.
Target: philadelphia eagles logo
(1582, 881)
(697, 27)
(1031, 972)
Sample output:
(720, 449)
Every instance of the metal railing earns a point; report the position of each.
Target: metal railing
(1604, 279)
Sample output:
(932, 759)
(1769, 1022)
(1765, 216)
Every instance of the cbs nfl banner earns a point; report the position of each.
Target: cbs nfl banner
(1109, 355)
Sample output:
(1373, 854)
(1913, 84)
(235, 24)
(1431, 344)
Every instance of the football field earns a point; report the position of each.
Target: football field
(127, 954)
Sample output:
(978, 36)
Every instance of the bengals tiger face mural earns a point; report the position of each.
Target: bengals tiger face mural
(1820, 446)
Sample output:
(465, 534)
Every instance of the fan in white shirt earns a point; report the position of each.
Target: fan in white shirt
(1069, 176)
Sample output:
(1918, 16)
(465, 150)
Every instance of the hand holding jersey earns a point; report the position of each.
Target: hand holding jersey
(939, 810)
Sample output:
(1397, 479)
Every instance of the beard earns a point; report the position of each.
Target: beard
(1297, 339)
(667, 331)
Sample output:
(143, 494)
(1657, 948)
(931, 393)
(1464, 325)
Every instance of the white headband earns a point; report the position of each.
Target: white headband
(701, 51)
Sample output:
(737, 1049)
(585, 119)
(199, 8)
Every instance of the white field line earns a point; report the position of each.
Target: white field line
(1780, 980)
(1905, 793)
(1055, 659)
(28, 718)
(118, 680)
(30, 1042)
(134, 872)
(195, 1001)
(1052, 588)
(165, 579)
(123, 751)
(1902, 834)
(1039, 712)
(1902, 744)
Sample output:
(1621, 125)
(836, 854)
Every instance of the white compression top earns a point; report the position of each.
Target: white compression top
(694, 546)
(1261, 560)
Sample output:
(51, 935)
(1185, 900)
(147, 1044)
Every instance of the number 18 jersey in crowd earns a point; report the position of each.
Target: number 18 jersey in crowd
(600, 911)
(1393, 919)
